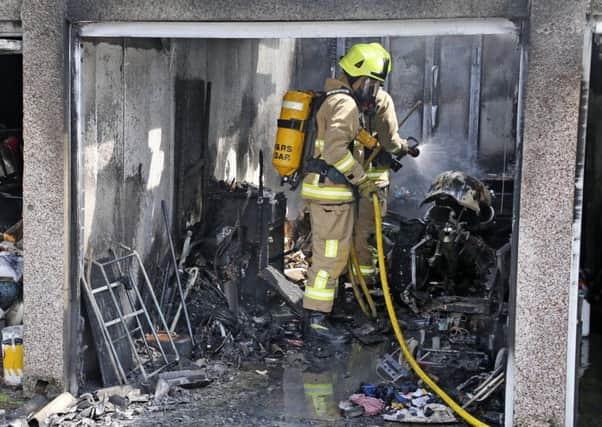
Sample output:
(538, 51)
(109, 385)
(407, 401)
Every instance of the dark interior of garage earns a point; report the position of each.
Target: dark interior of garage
(10, 137)
(176, 141)
(11, 203)
(11, 188)
(590, 361)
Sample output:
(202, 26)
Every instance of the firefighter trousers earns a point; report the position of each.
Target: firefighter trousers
(363, 229)
(332, 234)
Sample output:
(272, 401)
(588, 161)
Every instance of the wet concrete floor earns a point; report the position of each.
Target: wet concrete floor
(302, 393)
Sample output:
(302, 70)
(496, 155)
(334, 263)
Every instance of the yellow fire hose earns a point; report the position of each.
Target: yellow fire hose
(358, 274)
(356, 291)
(395, 323)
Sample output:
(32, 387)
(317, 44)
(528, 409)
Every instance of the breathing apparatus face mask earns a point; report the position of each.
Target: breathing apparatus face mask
(366, 92)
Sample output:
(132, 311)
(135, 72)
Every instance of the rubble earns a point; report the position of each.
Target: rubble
(431, 413)
(14, 233)
(290, 292)
(350, 409)
(244, 316)
(186, 379)
(296, 266)
(182, 306)
(59, 405)
(98, 409)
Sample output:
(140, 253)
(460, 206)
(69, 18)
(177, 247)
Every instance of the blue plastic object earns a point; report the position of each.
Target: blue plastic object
(369, 389)
(399, 398)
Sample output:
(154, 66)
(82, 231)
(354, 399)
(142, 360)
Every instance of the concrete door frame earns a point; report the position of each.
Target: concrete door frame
(299, 29)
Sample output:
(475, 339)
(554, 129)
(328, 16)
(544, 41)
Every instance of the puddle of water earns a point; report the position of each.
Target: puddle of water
(315, 392)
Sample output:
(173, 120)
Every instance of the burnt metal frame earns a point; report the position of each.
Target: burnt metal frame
(109, 286)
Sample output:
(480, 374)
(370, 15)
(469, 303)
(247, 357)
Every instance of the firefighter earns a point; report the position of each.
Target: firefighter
(382, 122)
(337, 173)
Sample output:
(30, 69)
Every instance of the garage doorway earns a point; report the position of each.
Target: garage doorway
(126, 114)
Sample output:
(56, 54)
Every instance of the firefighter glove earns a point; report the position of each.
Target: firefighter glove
(367, 187)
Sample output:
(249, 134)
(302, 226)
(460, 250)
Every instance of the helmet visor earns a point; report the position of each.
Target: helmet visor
(382, 75)
(366, 92)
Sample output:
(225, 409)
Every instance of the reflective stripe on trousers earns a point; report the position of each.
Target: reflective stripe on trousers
(317, 290)
(320, 395)
(332, 248)
(366, 270)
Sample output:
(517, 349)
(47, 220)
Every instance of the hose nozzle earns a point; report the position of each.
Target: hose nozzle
(413, 146)
(412, 151)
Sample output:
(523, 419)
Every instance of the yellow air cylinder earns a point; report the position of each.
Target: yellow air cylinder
(290, 137)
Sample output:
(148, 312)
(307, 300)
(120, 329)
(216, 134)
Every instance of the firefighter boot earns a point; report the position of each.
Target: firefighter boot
(319, 328)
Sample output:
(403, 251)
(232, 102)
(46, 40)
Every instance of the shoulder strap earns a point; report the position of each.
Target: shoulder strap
(320, 97)
(342, 90)
(311, 128)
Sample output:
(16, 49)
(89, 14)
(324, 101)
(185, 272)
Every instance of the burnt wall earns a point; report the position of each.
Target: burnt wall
(468, 85)
(248, 79)
(131, 161)
(595, 7)
(466, 122)
(128, 144)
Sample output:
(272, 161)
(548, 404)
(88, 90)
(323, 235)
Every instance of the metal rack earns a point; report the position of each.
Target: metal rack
(119, 283)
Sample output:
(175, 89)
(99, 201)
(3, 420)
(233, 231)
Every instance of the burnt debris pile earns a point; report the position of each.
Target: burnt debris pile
(237, 314)
(228, 296)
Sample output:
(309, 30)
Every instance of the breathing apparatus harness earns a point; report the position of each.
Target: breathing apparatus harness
(317, 165)
(296, 138)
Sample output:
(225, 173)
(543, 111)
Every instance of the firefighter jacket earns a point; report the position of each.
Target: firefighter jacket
(384, 123)
(338, 122)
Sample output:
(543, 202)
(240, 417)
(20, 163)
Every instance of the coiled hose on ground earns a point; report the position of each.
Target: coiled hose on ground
(399, 335)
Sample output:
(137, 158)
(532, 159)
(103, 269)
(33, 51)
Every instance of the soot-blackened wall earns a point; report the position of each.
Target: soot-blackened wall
(127, 93)
(134, 156)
